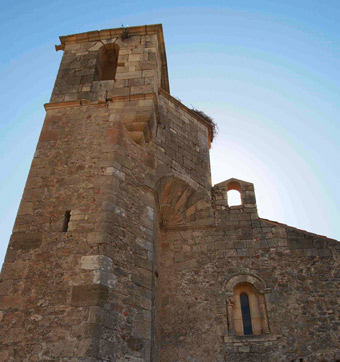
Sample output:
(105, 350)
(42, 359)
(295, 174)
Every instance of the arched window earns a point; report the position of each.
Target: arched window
(246, 305)
(234, 194)
(234, 198)
(107, 62)
(247, 316)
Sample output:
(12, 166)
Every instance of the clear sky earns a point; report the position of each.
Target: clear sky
(268, 72)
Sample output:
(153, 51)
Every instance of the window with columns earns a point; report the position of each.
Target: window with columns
(246, 305)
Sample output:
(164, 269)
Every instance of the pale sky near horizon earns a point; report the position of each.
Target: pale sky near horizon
(268, 73)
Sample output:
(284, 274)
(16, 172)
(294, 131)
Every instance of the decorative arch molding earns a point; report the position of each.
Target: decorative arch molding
(181, 205)
(255, 288)
(245, 277)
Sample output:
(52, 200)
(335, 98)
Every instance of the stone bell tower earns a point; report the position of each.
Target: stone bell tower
(122, 251)
(79, 281)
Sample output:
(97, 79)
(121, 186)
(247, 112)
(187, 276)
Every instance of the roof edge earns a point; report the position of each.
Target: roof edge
(233, 179)
(299, 230)
(104, 34)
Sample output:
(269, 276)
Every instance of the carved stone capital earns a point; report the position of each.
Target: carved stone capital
(230, 301)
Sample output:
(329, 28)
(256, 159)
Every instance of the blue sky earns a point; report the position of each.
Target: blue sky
(266, 71)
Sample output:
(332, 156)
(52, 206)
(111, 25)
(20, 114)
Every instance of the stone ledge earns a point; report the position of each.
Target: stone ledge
(84, 102)
(104, 34)
(248, 340)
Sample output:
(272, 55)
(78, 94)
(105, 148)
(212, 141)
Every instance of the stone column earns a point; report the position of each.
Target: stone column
(230, 314)
(264, 319)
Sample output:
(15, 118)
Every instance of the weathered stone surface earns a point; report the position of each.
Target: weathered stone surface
(88, 295)
(25, 241)
(123, 251)
(135, 343)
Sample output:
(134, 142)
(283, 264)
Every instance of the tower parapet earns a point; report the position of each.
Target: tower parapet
(99, 65)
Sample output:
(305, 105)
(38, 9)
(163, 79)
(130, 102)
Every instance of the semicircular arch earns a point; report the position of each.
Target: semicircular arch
(245, 277)
(180, 203)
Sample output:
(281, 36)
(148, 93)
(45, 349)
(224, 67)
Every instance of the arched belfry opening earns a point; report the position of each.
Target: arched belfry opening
(234, 198)
(234, 194)
(107, 62)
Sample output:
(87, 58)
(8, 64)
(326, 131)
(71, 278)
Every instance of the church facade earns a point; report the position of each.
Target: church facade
(122, 250)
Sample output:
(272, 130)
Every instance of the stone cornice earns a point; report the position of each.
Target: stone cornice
(98, 35)
(84, 102)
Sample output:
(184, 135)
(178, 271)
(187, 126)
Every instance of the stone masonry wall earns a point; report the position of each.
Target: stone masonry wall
(123, 251)
(88, 293)
(85, 292)
(81, 292)
(138, 69)
(300, 271)
(183, 145)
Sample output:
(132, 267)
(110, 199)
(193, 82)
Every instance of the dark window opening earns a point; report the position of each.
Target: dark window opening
(66, 220)
(246, 318)
(107, 62)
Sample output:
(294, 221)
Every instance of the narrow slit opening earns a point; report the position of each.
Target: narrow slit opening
(67, 217)
(246, 317)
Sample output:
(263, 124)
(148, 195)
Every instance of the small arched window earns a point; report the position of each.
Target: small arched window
(246, 310)
(234, 198)
(246, 305)
(234, 194)
(107, 62)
